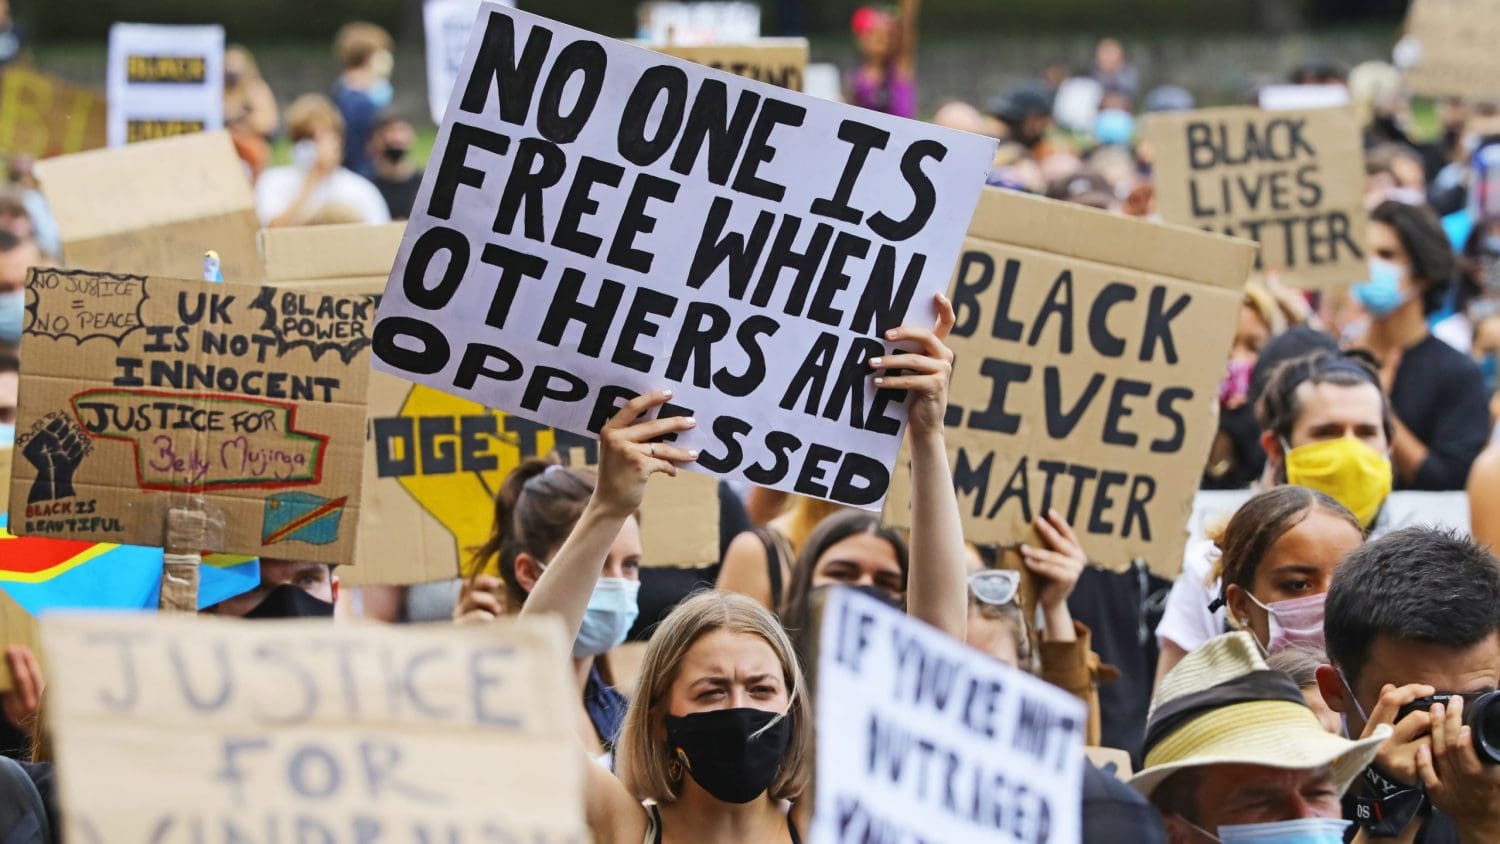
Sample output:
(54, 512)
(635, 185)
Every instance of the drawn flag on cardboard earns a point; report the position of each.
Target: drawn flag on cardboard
(141, 395)
(51, 574)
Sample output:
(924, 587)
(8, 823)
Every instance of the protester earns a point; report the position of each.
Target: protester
(395, 176)
(1236, 458)
(759, 563)
(1300, 662)
(17, 256)
(720, 680)
(1441, 418)
(1026, 114)
(288, 589)
(250, 111)
(997, 624)
(1409, 616)
(1277, 558)
(315, 186)
(885, 80)
(43, 227)
(1113, 72)
(1233, 753)
(1484, 498)
(363, 88)
(1324, 426)
(12, 36)
(537, 507)
(10, 382)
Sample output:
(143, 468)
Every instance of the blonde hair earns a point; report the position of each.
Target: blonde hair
(1259, 299)
(805, 514)
(357, 41)
(642, 758)
(310, 112)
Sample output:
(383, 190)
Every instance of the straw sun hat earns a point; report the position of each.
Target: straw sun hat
(1220, 705)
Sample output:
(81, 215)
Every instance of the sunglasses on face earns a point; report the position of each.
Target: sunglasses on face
(997, 587)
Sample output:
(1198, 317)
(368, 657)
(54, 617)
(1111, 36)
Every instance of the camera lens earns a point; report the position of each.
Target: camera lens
(1483, 719)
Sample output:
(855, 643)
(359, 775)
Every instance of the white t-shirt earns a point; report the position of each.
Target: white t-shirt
(1187, 622)
(279, 186)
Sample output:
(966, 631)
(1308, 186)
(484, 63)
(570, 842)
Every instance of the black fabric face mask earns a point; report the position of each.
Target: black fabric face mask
(291, 601)
(723, 753)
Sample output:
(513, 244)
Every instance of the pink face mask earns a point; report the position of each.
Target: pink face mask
(1295, 623)
(1235, 387)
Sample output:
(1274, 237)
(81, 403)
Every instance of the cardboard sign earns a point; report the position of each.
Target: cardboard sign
(154, 208)
(164, 81)
(1293, 181)
(42, 116)
(698, 23)
(775, 61)
(922, 738)
(145, 394)
(1089, 348)
(168, 728)
(434, 462)
(447, 24)
(1451, 45)
(746, 247)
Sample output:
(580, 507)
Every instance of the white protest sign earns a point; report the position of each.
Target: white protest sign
(922, 738)
(178, 729)
(698, 23)
(599, 220)
(164, 81)
(447, 24)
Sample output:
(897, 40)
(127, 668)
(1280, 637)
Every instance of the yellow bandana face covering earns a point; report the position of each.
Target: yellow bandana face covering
(1346, 470)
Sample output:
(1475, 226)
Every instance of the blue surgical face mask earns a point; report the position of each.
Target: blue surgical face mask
(381, 92)
(1381, 295)
(1114, 127)
(12, 315)
(1489, 364)
(1299, 831)
(611, 612)
(7, 434)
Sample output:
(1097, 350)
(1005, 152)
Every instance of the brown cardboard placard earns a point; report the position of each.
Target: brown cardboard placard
(777, 61)
(312, 731)
(145, 394)
(42, 115)
(1454, 46)
(153, 208)
(434, 462)
(1293, 181)
(1089, 352)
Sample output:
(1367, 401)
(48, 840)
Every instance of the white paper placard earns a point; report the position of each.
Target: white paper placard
(447, 24)
(598, 220)
(164, 81)
(922, 738)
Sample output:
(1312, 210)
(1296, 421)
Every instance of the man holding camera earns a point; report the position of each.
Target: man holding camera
(1412, 623)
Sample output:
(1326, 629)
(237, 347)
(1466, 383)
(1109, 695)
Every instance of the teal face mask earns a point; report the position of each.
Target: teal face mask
(1299, 831)
(1381, 295)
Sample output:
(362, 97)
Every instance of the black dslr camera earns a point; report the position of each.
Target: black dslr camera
(1481, 716)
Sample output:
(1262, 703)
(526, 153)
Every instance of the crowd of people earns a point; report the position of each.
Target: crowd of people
(1318, 672)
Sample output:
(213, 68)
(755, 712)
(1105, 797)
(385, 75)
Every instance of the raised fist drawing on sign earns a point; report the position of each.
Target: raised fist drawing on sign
(55, 446)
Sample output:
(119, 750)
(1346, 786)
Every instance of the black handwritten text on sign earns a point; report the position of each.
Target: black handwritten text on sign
(601, 220)
(1289, 180)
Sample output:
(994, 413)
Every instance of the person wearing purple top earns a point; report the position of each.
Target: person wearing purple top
(886, 77)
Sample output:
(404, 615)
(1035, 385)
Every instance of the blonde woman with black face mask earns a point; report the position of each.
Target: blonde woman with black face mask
(719, 736)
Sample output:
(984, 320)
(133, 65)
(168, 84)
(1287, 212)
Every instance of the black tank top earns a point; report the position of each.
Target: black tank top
(653, 827)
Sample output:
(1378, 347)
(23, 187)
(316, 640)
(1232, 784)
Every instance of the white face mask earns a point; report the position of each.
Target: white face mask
(305, 154)
(612, 610)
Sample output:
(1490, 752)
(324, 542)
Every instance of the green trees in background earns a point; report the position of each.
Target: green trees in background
(301, 20)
